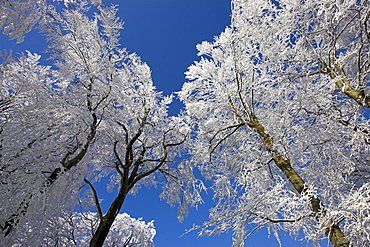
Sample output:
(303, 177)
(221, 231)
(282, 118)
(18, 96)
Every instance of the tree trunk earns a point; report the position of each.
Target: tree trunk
(107, 220)
(332, 230)
(22, 209)
(343, 83)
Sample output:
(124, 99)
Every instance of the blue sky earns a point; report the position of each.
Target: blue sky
(164, 34)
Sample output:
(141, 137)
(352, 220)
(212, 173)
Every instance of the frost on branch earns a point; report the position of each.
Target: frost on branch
(18, 17)
(76, 229)
(279, 103)
(355, 211)
(94, 114)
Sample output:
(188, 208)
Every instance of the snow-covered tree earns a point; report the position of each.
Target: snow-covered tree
(18, 17)
(278, 102)
(76, 229)
(95, 113)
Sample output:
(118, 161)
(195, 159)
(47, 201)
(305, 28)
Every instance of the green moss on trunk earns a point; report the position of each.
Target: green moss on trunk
(332, 230)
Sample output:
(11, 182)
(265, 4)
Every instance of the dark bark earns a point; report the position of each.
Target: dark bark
(107, 220)
(130, 174)
(22, 209)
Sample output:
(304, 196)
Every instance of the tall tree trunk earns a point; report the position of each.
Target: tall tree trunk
(332, 230)
(107, 220)
(22, 209)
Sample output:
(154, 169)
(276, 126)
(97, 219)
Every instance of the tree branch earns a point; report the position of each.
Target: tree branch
(282, 220)
(334, 233)
(96, 198)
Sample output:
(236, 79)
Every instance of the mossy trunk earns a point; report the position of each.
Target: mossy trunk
(343, 83)
(332, 230)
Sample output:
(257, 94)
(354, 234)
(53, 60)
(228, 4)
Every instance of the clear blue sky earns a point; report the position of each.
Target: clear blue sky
(164, 34)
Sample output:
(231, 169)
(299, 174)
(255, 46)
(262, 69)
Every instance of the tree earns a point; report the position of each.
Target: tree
(18, 17)
(95, 113)
(76, 229)
(278, 102)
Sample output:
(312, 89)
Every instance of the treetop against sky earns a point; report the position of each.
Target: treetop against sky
(265, 129)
